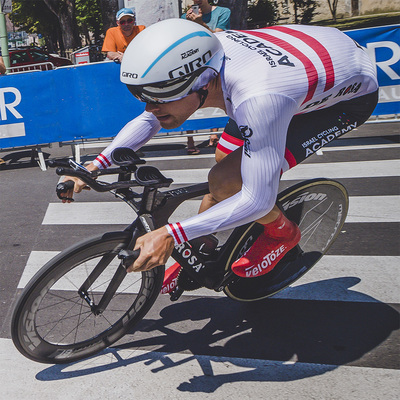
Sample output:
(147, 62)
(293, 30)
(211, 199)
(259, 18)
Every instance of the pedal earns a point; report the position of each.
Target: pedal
(293, 254)
(176, 294)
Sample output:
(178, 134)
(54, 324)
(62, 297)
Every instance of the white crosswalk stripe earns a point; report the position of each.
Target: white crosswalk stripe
(188, 376)
(365, 289)
(351, 169)
(361, 209)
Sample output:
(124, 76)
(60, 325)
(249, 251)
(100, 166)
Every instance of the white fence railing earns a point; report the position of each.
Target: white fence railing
(46, 66)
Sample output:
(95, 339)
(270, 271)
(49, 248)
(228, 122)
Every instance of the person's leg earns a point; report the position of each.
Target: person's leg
(213, 141)
(225, 180)
(280, 235)
(306, 134)
(191, 148)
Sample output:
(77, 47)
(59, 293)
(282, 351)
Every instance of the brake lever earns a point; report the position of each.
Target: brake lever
(78, 167)
(128, 257)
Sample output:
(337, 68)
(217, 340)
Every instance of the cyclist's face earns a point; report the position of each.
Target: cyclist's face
(175, 113)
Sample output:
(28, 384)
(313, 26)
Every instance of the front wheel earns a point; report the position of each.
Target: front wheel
(59, 317)
(319, 207)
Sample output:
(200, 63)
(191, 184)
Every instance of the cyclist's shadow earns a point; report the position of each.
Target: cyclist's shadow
(286, 332)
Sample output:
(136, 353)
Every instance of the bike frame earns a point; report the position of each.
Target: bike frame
(153, 211)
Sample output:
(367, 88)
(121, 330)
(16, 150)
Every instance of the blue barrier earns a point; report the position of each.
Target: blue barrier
(88, 101)
(383, 46)
(69, 104)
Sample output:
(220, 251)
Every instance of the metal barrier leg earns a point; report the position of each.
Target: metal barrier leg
(77, 153)
(41, 161)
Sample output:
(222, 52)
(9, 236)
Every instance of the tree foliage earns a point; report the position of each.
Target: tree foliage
(35, 17)
(262, 13)
(305, 10)
(89, 19)
(238, 12)
(67, 24)
(64, 10)
(332, 7)
(63, 23)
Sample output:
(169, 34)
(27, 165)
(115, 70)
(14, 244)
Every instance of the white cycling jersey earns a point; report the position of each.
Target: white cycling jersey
(270, 75)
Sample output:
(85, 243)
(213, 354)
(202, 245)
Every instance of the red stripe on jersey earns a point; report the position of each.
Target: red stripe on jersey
(318, 48)
(182, 232)
(101, 162)
(231, 139)
(107, 162)
(223, 148)
(289, 157)
(311, 71)
(177, 238)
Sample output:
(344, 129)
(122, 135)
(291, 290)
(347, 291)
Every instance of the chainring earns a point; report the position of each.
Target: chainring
(185, 282)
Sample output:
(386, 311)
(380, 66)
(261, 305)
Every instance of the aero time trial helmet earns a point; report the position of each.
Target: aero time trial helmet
(171, 59)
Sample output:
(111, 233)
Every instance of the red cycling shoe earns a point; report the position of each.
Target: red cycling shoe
(170, 278)
(278, 238)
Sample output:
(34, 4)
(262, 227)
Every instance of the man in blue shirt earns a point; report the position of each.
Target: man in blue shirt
(214, 18)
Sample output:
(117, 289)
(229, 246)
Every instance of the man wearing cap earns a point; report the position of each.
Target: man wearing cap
(118, 38)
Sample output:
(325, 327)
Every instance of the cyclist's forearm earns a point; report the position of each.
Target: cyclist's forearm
(133, 135)
(230, 213)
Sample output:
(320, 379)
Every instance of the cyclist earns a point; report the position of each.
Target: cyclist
(290, 89)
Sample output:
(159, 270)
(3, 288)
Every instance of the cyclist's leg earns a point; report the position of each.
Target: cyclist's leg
(230, 140)
(309, 132)
(306, 134)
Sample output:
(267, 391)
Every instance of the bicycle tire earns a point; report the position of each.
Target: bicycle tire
(319, 207)
(51, 323)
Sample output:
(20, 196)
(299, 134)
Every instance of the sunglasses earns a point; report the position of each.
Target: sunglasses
(126, 21)
(165, 91)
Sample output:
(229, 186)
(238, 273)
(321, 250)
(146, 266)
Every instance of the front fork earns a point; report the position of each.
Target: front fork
(127, 257)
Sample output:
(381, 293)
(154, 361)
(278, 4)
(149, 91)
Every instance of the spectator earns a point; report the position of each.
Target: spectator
(2, 66)
(118, 38)
(216, 19)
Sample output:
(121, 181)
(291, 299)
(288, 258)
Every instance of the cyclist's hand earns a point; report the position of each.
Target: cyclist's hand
(67, 196)
(155, 249)
(79, 185)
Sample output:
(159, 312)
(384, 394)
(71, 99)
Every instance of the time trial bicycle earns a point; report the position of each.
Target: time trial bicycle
(83, 300)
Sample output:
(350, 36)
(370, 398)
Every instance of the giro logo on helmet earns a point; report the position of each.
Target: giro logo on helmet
(129, 75)
(190, 67)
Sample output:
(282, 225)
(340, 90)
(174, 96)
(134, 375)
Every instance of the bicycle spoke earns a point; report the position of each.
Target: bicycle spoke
(62, 319)
(76, 330)
(63, 300)
(57, 323)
